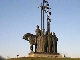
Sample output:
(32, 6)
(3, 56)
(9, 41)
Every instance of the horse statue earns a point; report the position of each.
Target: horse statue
(31, 38)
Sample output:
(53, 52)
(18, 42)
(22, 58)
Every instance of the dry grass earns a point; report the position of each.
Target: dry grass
(24, 58)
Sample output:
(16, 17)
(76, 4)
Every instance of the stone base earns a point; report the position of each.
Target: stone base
(47, 55)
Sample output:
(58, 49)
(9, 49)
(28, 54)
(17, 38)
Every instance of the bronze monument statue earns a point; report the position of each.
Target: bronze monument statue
(45, 41)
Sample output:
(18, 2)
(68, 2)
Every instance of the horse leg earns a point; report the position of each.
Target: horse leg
(31, 48)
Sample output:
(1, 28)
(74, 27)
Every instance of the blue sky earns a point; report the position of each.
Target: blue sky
(18, 17)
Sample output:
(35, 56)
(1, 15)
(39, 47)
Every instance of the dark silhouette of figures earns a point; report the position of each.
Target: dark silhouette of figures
(45, 43)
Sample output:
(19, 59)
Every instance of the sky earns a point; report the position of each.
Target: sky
(18, 17)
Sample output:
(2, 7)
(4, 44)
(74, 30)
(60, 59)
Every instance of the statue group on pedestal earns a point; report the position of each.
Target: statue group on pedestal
(45, 43)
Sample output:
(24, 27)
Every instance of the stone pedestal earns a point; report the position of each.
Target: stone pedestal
(47, 55)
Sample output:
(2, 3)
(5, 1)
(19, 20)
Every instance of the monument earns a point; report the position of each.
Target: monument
(45, 41)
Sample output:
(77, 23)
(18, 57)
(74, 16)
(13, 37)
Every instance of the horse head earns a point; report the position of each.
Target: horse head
(26, 36)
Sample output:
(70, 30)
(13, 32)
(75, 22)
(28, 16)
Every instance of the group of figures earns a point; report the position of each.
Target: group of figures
(44, 42)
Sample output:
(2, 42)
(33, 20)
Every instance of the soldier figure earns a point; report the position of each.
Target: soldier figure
(55, 39)
(49, 43)
(45, 43)
(38, 31)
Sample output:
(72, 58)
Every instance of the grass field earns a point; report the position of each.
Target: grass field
(26, 58)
